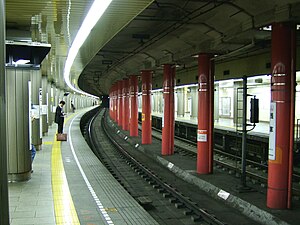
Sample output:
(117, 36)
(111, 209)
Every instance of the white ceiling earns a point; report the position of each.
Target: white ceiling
(143, 34)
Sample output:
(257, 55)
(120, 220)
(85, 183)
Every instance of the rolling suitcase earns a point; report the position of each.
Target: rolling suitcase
(61, 137)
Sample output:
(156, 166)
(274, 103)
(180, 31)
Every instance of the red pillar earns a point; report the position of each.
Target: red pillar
(125, 123)
(114, 102)
(110, 103)
(281, 116)
(205, 114)
(120, 102)
(146, 106)
(117, 102)
(133, 121)
(168, 116)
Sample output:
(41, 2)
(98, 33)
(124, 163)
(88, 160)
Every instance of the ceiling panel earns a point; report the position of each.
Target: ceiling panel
(133, 34)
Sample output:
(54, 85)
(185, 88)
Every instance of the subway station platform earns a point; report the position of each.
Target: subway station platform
(260, 129)
(69, 185)
(220, 185)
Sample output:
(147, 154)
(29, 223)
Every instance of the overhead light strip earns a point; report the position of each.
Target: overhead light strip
(92, 17)
(68, 22)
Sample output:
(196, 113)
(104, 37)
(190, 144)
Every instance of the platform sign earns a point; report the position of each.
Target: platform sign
(35, 111)
(44, 110)
(272, 134)
(202, 135)
(163, 114)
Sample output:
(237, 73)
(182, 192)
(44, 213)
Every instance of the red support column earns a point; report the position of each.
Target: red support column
(110, 108)
(167, 147)
(111, 102)
(120, 102)
(281, 116)
(205, 114)
(114, 104)
(117, 102)
(133, 121)
(125, 123)
(146, 106)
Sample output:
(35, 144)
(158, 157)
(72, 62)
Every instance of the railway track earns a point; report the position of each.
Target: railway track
(143, 183)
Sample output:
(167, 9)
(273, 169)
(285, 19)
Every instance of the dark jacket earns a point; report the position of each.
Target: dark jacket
(59, 115)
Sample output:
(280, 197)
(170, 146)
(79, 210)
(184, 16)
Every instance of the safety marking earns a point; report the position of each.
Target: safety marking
(110, 209)
(170, 165)
(65, 212)
(47, 142)
(88, 184)
(223, 194)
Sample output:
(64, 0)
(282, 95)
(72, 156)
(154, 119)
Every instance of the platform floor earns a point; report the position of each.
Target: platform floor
(69, 185)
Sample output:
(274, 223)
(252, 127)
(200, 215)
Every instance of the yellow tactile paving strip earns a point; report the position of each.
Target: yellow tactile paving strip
(65, 212)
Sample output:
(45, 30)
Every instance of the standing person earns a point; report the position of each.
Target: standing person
(73, 107)
(59, 116)
(33, 149)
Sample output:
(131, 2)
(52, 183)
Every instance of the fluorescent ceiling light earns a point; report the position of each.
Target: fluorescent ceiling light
(21, 62)
(228, 83)
(157, 90)
(186, 85)
(25, 40)
(259, 80)
(92, 17)
(267, 28)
